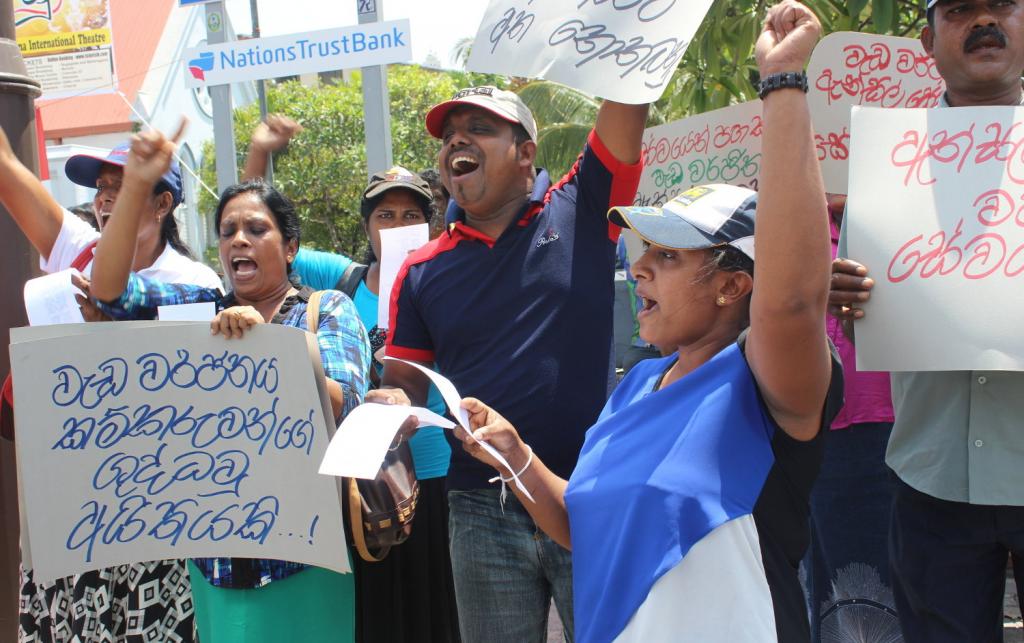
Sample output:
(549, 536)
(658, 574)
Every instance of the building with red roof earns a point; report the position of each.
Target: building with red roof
(150, 37)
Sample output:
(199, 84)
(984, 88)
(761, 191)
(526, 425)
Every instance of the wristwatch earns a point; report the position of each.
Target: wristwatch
(783, 80)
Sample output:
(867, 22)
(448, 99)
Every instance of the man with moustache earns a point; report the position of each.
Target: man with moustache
(957, 445)
(514, 304)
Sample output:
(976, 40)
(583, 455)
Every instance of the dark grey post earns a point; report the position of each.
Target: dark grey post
(17, 118)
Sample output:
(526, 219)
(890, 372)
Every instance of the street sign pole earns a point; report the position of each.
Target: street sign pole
(223, 125)
(375, 100)
(261, 86)
(17, 118)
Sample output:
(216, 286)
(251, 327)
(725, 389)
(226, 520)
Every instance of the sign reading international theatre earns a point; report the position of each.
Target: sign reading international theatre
(67, 45)
(378, 43)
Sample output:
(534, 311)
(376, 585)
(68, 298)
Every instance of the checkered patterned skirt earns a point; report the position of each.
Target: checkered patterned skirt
(142, 602)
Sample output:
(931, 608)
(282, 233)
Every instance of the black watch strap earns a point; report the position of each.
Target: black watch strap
(783, 80)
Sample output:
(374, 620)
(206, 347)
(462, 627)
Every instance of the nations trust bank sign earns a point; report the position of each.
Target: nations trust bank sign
(379, 43)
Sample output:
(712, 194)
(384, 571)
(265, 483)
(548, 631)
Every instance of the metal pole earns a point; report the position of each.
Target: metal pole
(17, 118)
(375, 100)
(223, 124)
(261, 88)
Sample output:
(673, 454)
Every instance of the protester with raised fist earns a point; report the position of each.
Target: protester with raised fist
(687, 513)
(56, 608)
(242, 599)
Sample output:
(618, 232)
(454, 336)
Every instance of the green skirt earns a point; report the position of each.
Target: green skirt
(314, 605)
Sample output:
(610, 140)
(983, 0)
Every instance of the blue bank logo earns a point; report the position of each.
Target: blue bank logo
(199, 66)
(380, 43)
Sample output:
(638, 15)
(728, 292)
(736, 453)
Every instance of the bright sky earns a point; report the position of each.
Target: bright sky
(437, 25)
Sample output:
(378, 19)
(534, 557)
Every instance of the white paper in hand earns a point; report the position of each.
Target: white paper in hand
(361, 442)
(454, 401)
(50, 299)
(201, 312)
(395, 246)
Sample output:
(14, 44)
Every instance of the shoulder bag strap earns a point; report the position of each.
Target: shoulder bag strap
(350, 280)
(355, 516)
(313, 311)
(355, 501)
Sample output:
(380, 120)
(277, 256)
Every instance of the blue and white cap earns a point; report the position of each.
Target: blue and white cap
(702, 217)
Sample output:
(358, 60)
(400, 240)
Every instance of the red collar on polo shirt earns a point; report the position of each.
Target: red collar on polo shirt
(538, 197)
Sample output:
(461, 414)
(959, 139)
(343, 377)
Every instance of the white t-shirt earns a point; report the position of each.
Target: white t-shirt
(171, 266)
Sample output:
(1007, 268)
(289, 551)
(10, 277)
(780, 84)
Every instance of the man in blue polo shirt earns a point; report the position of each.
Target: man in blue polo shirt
(514, 304)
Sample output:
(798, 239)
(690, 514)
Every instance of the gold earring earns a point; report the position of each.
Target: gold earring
(720, 301)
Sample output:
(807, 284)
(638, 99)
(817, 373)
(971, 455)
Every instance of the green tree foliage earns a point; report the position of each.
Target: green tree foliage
(323, 170)
(717, 70)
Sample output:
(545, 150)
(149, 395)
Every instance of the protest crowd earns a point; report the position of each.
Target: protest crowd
(741, 481)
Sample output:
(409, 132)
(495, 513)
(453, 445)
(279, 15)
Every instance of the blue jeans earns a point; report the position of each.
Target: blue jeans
(850, 507)
(506, 570)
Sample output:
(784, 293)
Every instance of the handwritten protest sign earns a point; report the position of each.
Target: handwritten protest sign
(170, 443)
(849, 68)
(624, 50)
(936, 213)
(722, 146)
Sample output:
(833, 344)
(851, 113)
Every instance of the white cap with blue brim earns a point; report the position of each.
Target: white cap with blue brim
(702, 217)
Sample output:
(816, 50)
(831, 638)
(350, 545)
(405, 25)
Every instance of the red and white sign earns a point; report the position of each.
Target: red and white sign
(936, 213)
(856, 69)
(722, 146)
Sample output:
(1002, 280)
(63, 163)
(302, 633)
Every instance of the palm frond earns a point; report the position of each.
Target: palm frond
(553, 103)
(560, 145)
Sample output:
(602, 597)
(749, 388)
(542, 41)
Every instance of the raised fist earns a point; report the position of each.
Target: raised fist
(787, 39)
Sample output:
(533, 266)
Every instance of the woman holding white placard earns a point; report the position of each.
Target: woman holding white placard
(245, 599)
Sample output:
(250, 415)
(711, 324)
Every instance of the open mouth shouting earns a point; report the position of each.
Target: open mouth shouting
(243, 269)
(649, 306)
(462, 163)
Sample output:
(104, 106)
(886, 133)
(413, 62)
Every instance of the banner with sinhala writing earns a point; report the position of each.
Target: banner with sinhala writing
(140, 441)
(936, 213)
(721, 146)
(623, 51)
(850, 69)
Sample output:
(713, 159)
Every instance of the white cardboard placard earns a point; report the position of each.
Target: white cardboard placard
(166, 442)
(935, 213)
(395, 246)
(721, 146)
(851, 68)
(50, 299)
(623, 51)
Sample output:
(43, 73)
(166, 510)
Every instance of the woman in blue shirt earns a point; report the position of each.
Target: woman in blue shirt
(687, 512)
(238, 599)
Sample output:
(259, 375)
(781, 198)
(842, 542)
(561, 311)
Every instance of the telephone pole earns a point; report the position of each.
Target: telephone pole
(17, 118)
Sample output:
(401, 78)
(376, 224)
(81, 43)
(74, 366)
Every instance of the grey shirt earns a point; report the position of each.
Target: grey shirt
(958, 435)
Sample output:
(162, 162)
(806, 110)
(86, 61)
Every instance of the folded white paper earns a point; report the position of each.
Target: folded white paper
(454, 401)
(360, 444)
(202, 312)
(50, 299)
